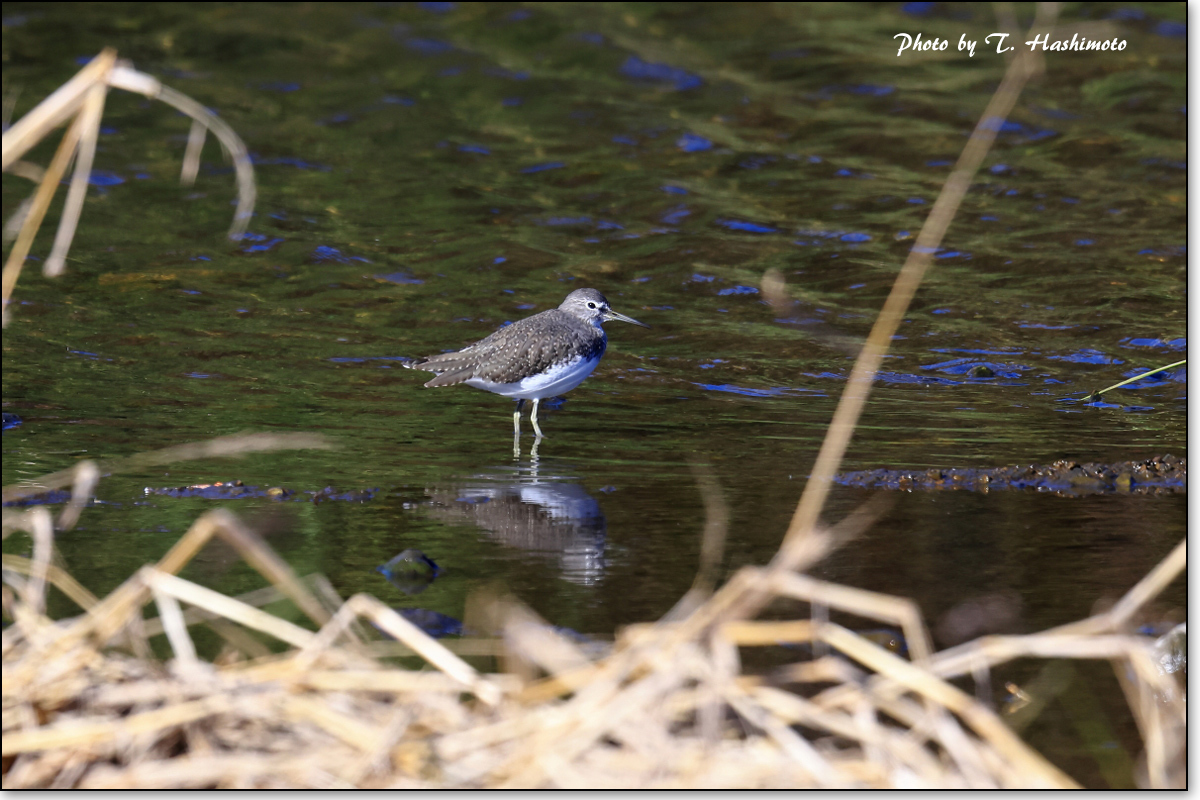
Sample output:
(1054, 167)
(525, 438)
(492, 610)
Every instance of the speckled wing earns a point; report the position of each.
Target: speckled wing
(525, 348)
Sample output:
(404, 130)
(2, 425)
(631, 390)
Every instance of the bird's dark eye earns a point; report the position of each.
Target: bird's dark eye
(591, 305)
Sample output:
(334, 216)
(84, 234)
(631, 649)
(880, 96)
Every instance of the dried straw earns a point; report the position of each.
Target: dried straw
(81, 100)
(325, 712)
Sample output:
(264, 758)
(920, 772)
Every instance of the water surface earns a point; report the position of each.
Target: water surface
(428, 172)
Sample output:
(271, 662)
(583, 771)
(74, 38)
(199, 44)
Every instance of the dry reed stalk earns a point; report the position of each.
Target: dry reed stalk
(166, 585)
(235, 445)
(341, 726)
(826, 669)
(523, 750)
(118, 610)
(1023, 66)
(57, 576)
(81, 100)
(456, 745)
(958, 660)
(174, 626)
(716, 528)
(37, 211)
(198, 772)
(83, 486)
(67, 650)
(1137, 597)
(404, 631)
(884, 743)
(253, 549)
(746, 633)
(460, 647)
(727, 601)
(83, 734)
(56, 109)
(526, 632)
(794, 746)
(798, 543)
(1161, 714)
(375, 759)
(390, 681)
(193, 616)
(89, 119)
(257, 598)
(41, 526)
(593, 713)
(898, 611)
(920, 681)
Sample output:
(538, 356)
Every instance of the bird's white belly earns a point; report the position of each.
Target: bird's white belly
(560, 379)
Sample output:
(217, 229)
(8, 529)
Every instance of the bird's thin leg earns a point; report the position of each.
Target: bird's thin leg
(517, 418)
(533, 417)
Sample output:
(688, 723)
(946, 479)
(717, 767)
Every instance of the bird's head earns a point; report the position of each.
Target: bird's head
(591, 306)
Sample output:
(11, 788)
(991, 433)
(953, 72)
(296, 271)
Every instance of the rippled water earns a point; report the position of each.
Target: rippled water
(428, 172)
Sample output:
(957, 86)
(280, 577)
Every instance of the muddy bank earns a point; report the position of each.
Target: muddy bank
(1159, 475)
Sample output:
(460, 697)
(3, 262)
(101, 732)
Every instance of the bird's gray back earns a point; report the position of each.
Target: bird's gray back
(526, 347)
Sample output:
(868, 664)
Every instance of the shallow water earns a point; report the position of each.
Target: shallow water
(430, 171)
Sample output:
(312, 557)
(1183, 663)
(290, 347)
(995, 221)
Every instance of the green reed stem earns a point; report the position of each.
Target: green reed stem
(1096, 395)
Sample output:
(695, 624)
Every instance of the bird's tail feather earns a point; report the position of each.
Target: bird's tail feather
(451, 377)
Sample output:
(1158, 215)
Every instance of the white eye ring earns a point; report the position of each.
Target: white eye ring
(591, 305)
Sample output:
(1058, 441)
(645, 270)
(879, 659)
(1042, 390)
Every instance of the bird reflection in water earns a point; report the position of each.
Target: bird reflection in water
(552, 517)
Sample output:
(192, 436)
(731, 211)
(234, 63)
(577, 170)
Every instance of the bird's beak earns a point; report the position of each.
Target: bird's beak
(610, 314)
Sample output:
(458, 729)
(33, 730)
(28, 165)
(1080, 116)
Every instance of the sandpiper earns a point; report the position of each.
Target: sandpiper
(545, 355)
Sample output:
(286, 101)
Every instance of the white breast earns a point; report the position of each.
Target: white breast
(560, 379)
